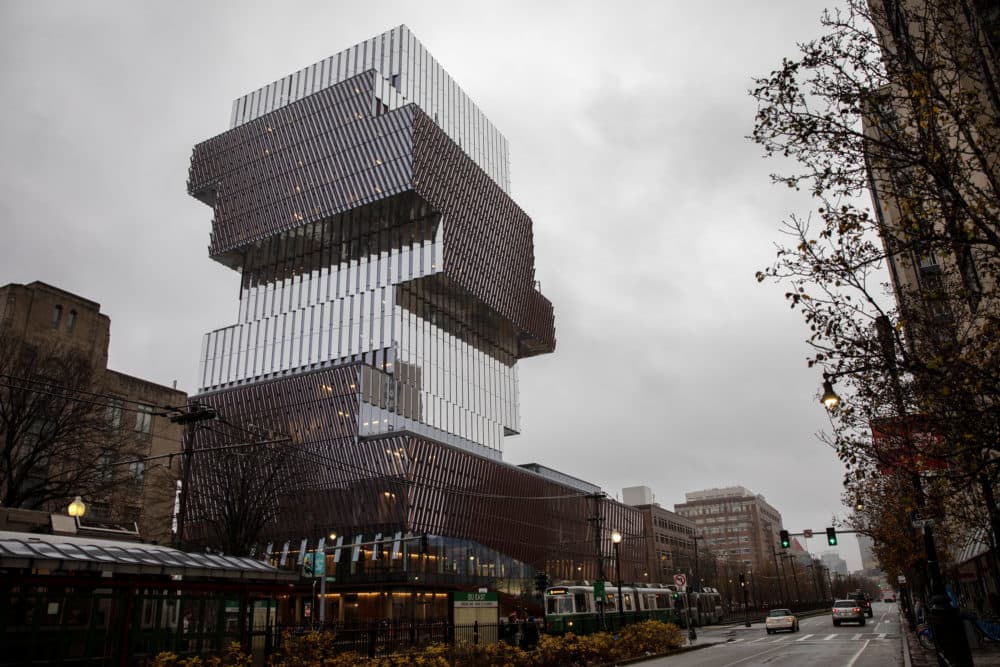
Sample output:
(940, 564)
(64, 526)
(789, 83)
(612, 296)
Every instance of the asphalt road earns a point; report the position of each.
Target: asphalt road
(817, 644)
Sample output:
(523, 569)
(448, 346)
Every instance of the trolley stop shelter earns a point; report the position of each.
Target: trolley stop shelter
(88, 601)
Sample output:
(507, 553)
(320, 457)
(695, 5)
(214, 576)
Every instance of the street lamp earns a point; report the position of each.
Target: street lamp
(616, 539)
(829, 397)
(693, 615)
(76, 508)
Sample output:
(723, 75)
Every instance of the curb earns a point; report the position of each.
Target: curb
(654, 656)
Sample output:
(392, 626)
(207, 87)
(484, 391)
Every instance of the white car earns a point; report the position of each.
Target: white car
(781, 619)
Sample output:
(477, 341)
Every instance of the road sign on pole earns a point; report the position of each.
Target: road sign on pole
(680, 580)
(807, 533)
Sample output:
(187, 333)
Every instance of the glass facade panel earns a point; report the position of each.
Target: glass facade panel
(387, 294)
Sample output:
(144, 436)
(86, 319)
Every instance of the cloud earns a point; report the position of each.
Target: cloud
(674, 368)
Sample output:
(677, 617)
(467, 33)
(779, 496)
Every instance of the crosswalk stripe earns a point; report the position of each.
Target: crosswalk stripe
(881, 635)
(857, 636)
(803, 638)
(829, 637)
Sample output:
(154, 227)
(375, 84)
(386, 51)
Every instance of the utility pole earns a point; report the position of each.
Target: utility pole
(195, 413)
(598, 522)
(774, 555)
(798, 594)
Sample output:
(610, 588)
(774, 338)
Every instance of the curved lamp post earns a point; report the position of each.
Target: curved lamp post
(76, 508)
(616, 539)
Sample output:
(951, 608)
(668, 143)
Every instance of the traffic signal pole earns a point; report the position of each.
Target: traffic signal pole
(746, 599)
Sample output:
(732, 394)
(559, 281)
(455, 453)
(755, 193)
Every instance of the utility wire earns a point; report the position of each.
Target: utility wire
(112, 399)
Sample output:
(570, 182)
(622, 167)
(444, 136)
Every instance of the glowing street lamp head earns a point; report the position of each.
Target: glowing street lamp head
(616, 537)
(77, 508)
(829, 398)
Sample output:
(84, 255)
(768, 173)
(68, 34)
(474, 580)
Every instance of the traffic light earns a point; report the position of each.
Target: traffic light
(541, 581)
(785, 541)
(831, 536)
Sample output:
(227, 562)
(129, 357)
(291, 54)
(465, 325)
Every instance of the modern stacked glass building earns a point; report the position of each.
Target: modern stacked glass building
(387, 294)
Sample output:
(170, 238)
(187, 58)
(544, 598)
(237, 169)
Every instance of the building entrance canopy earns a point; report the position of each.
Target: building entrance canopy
(56, 552)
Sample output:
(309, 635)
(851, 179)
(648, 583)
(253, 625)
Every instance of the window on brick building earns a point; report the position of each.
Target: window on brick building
(144, 421)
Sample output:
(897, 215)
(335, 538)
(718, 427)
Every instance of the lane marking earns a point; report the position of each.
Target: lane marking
(881, 635)
(803, 638)
(829, 637)
(856, 637)
(857, 655)
(759, 640)
(751, 657)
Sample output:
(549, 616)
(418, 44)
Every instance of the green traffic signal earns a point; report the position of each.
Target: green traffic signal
(785, 541)
(831, 537)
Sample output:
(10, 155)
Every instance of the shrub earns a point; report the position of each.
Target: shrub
(317, 649)
(572, 649)
(233, 657)
(649, 637)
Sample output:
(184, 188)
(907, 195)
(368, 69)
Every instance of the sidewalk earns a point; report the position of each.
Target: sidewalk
(986, 656)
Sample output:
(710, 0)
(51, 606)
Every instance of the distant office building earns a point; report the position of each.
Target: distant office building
(868, 561)
(387, 294)
(799, 552)
(737, 524)
(134, 491)
(670, 544)
(833, 562)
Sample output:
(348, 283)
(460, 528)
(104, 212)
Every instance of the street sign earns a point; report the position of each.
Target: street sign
(807, 533)
(922, 523)
(485, 600)
(680, 580)
(598, 590)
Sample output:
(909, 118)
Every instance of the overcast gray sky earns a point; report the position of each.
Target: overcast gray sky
(626, 121)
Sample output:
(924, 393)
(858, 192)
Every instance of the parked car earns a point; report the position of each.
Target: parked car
(781, 619)
(848, 610)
